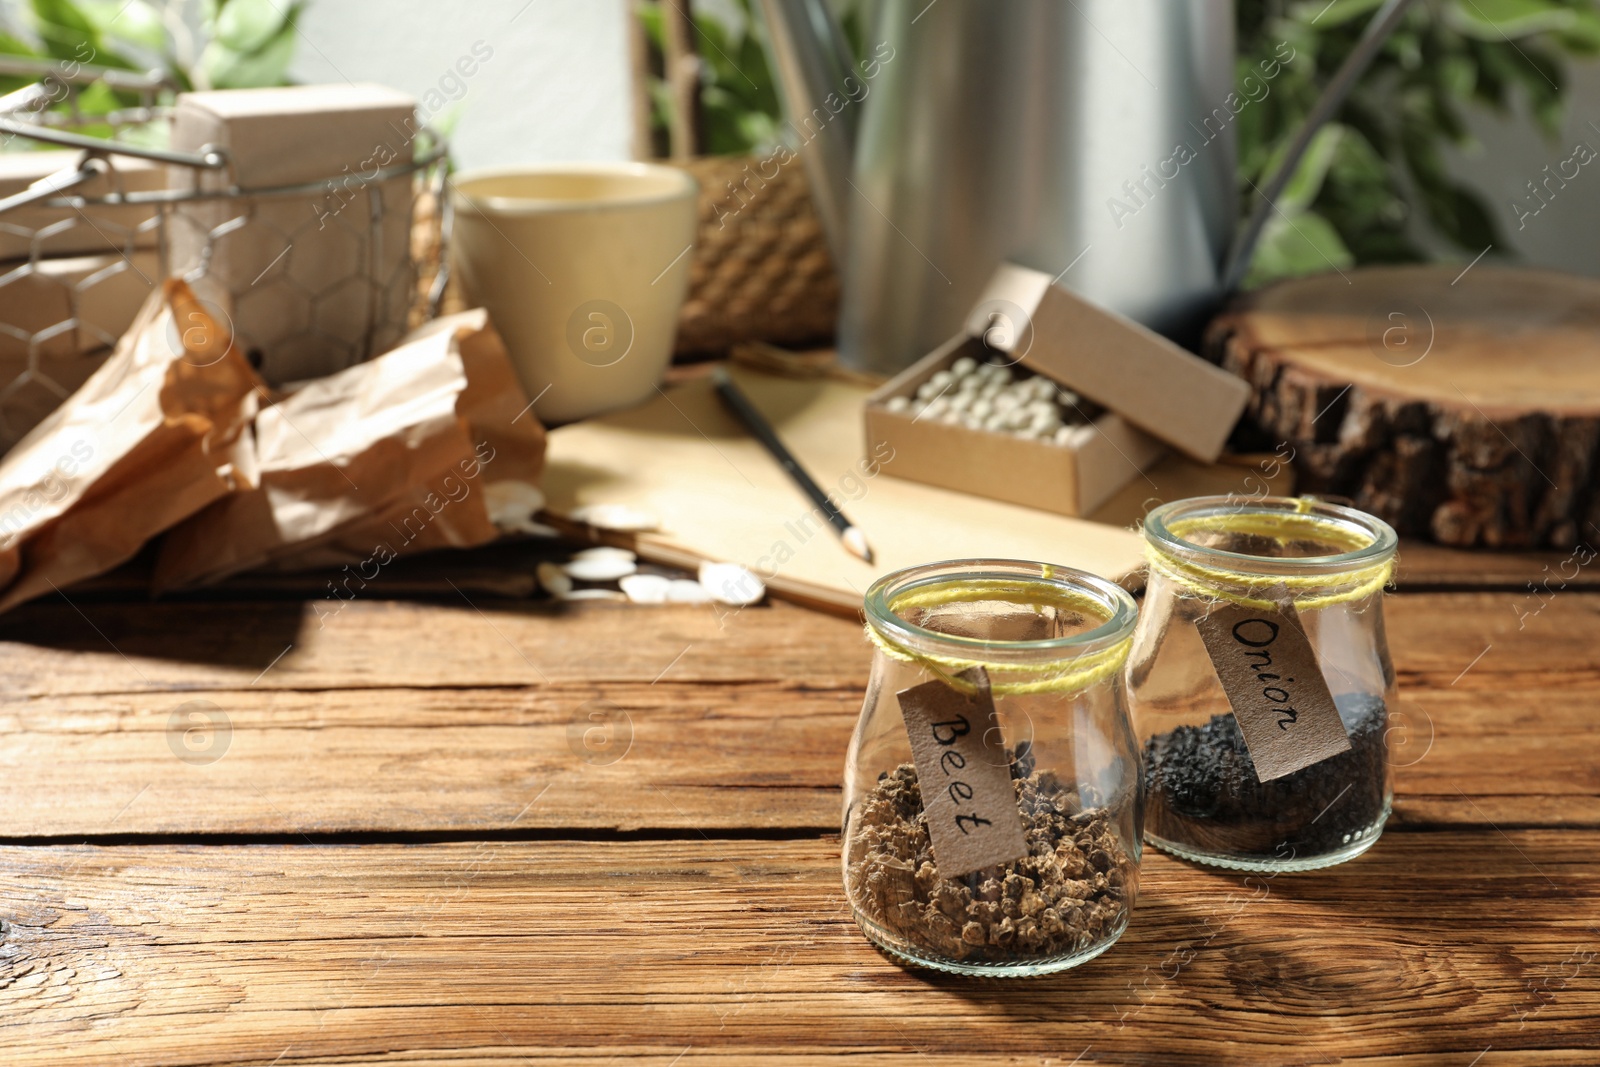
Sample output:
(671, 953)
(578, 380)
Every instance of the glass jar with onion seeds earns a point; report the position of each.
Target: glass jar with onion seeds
(1260, 682)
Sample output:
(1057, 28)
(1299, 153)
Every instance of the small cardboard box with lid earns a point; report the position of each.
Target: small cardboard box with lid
(1153, 395)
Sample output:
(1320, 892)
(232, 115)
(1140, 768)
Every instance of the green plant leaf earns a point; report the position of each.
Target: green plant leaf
(1292, 245)
(1303, 188)
(133, 21)
(226, 68)
(1457, 76)
(248, 26)
(1325, 16)
(13, 46)
(65, 31)
(1497, 20)
(650, 18)
(1583, 37)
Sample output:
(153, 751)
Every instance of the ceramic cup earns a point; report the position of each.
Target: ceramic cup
(583, 268)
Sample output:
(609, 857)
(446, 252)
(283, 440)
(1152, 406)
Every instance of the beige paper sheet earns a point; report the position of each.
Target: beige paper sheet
(720, 496)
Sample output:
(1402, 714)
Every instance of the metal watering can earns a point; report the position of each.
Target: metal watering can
(1093, 140)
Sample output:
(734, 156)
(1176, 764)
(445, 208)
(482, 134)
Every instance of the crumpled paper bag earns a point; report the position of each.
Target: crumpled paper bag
(160, 431)
(383, 459)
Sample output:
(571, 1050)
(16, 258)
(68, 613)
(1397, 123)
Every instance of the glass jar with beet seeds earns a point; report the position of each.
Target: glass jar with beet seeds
(991, 791)
(1260, 682)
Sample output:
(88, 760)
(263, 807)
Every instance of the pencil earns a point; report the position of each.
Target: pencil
(855, 542)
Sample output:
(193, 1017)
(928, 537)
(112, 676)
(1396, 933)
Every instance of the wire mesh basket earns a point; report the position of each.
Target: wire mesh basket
(303, 291)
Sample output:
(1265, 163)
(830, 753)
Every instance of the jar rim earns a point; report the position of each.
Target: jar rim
(1320, 518)
(1120, 611)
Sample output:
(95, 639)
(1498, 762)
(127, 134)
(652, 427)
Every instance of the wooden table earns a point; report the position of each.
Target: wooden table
(417, 847)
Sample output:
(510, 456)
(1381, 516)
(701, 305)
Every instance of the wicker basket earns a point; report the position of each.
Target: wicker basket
(761, 270)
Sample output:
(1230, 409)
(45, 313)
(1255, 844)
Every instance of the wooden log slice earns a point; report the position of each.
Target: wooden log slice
(1463, 407)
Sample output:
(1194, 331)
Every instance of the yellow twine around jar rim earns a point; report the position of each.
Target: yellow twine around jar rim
(1068, 675)
(1308, 591)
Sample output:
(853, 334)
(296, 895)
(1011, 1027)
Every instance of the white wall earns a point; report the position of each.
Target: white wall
(556, 86)
(1565, 233)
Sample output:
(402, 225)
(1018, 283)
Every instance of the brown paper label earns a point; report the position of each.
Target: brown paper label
(1274, 685)
(965, 775)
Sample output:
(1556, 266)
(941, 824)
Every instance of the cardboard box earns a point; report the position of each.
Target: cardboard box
(1151, 382)
(1155, 394)
(297, 276)
(65, 231)
(1070, 479)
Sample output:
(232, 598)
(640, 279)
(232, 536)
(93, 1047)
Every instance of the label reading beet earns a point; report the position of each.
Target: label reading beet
(965, 775)
(1275, 687)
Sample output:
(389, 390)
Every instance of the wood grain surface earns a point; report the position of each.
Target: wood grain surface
(418, 847)
(714, 948)
(359, 729)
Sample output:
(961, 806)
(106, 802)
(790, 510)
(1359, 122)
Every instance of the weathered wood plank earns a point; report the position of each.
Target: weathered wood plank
(60, 649)
(1422, 567)
(127, 648)
(642, 950)
(742, 726)
(665, 756)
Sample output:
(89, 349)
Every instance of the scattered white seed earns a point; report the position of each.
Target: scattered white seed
(936, 408)
(511, 503)
(646, 588)
(898, 404)
(961, 402)
(553, 579)
(942, 379)
(981, 408)
(927, 391)
(687, 591)
(606, 552)
(593, 594)
(617, 517)
(600, 570)
(963, 367)
(729, 583)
